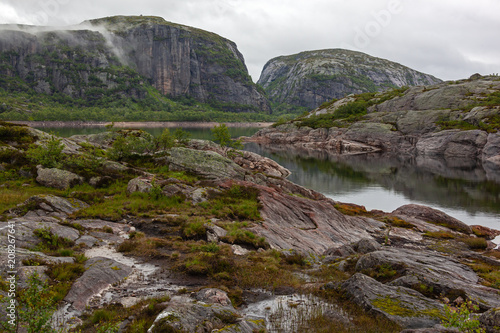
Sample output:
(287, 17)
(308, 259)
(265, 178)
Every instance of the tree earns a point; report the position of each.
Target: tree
(222, 136)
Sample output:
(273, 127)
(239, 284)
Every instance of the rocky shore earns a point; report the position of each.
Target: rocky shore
(136, 235)
(457, 121)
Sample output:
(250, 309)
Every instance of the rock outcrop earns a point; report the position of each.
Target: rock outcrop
(457, 121)
(311, 78)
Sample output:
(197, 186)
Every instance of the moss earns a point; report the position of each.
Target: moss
(395, 307)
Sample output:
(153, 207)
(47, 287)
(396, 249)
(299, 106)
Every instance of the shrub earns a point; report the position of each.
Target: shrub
(38, 305)
(461, 318)
(222, 136)
(49, 155)
(475, 243)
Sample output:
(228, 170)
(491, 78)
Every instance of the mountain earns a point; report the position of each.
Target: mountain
(308, 79)
(119, 60)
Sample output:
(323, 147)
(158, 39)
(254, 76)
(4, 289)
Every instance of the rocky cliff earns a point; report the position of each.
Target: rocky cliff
(309, 79)
(124, 56)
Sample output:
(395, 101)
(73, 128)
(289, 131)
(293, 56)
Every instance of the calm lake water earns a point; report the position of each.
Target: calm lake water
(376, 181)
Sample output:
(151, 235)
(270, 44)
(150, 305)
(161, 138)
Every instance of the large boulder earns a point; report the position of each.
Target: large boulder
(406, 307)
(139, 184)
(60, 179)
(207, 164)
(432, 215)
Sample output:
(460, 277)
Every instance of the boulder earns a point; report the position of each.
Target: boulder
(139, 184)
(57, 178)
(207, 164)
(51, 205)
(405, 306)
(432, 215)
(100, 274)
(182, 314)
(213, 296)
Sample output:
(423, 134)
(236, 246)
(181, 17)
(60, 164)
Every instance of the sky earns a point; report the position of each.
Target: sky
(450, 39)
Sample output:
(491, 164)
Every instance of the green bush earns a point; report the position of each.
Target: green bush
(222, 137)
(49, 156)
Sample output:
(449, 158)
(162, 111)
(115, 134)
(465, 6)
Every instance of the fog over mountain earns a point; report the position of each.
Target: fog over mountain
(450, 39)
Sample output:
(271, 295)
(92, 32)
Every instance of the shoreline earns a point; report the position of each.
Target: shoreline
(138, 124)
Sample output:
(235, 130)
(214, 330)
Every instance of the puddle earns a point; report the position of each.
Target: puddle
(292, 313)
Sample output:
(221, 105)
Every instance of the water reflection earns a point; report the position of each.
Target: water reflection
(465, 191)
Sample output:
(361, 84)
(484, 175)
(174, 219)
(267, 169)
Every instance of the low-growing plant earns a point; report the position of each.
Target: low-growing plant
(51, 241)
(462, 319)
(474, 243)
(49, 155)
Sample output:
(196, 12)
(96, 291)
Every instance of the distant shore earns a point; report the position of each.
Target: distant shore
(137, 124)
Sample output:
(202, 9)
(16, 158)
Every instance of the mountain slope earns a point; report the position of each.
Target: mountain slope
(308, 79)
(118, 60)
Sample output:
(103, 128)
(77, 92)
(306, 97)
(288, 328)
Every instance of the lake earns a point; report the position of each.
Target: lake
(375, 181)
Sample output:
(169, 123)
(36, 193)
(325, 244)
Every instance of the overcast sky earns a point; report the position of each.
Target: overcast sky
(450, 39)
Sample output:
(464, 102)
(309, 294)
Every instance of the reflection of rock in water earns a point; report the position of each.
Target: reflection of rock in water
(447, 182)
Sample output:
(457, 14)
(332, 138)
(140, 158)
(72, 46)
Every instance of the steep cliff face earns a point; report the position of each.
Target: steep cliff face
(309, 79)
(125, 56)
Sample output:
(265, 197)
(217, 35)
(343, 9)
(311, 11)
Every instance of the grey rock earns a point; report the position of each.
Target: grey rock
(139, 184)
(25, 237)
(60, 179)
(100, 274)
(213, 296)
(308, 226)
(491, 320)
(428, 214)
(185, 315)
(207, 164)
(366, 245)
(404, 306)
(453, 144)
(89, 241)
(340, 252)
(214, 232)
(444, 274)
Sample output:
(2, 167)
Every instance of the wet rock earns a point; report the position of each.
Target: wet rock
(425, 213)
(405, 306)
(100, 274)
(57, 178)
(183, 314)
(89, 241)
